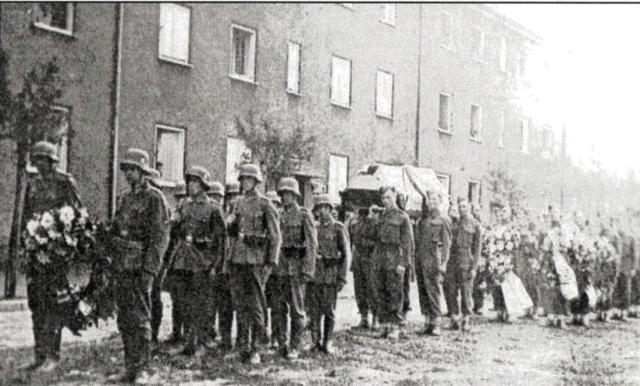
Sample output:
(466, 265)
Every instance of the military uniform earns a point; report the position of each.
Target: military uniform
(628, 266)
(45, 193)
(330, 275)
(465, 254)
(394, 247)
(432, 255)
(296, 267)
(254, 249)
(200, 230)
(363, 239)
(137, 245)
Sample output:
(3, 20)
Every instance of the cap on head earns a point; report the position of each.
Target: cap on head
(216, 188)
(45, 149)
(138, 158)
(199, 173)
(289, 184)
(273, 196)
(233, 187)
(322, 199)
(251, 171)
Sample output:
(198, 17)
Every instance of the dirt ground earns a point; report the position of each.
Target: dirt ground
(523, 353)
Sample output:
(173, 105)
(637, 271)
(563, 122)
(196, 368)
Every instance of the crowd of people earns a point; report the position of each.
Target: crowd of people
(231, 251)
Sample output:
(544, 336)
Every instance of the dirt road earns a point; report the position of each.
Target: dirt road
(492, 354)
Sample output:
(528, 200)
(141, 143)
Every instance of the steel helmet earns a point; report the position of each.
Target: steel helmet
(216, 188)
(273, 196)
(45, 149)
(322, 199)
(233, 187)
(138, 158)
(199, 173)
(251, 170)
(289, 184)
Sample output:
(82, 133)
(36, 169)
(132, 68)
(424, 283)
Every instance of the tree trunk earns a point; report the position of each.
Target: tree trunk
(16, 225)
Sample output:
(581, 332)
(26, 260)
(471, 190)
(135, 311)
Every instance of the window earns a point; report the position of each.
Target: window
(445, 180)
(57, 17)
(474, 192)
(338, 172)
(446, 29)
(476, 122)
(444, 114)
(243, 56)
(293, 68)
(478, 44)
(340, 81)
(389, 14)
(61, 136)
(524, 136)
(501, 133)
(174, 32)
(384, 94)
(170, 153)
(503, 55)
(237, 154)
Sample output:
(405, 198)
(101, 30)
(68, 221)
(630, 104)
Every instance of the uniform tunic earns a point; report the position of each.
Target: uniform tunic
(363, 239)
(44, 194)
(432, 254)
(628, 266)
(461, 267)
(394, 247)
(255, 241)
(330, 275)
(296, 267)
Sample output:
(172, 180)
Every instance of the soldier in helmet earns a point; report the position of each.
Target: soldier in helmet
(392, 257)
(330, 276)
(270, 289)
(138, 242)
(47, 190)
(216, 193)
(254, 251)
(432, 253)
(200, 233)
(295, 269)
(465, 254)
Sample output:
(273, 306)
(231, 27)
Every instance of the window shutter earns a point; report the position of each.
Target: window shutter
(180, 44)
(166, 29)
(293, 68)
(250, 63)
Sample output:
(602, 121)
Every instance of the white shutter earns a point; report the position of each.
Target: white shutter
(341, 81)
(166, 30)
(181, 27)
(293, 68)
(335, 77)
(384, 86)
(251, 56)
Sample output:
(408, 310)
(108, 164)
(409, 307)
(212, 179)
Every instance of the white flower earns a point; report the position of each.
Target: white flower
(54, 234)
(500, 245)
(66, 214)
(47, 220)
(32, 227)
(43, 258)
(84, 216)
(41, 240)
(84, 308)
(509, 246)
(71, 241)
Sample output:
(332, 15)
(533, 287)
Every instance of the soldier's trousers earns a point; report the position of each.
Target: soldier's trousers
(47, 323)
(479, 293)
(429, 291)
(133, 297)
(177, 286)
(224, 306)
(406, 292)
(156, 304)
(288, 301)
(363, 285)
(389, 295)
(270, 294)
(323, 299)
(623, 290)
(458, 280)
(247, 284)
(197, 317)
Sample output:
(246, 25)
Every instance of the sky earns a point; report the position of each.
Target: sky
(591, 82)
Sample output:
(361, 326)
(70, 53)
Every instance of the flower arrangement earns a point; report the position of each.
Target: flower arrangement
(499, 246)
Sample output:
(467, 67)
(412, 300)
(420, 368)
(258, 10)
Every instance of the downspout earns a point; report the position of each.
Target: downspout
(417, 144)
(115, 106)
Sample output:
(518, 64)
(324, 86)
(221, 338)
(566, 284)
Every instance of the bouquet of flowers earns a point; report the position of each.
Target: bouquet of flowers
(499, 246)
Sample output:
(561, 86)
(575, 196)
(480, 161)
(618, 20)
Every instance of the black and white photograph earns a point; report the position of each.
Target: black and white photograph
(318, 193)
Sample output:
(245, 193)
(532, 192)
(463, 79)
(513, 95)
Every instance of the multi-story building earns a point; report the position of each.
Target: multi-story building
(432, 85)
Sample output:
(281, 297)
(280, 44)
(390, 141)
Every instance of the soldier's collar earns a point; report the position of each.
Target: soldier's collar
(328, 221)
(291, 207)
(141, 187)
(200, 197)
(252, 192)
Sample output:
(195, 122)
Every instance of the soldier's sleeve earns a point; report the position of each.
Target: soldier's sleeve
(73, 195)
(446, 242)
(408, 242)
(476, 246)
(219, 232)
(345, 251)
(310, 244)
(156, 242)
(273, 229)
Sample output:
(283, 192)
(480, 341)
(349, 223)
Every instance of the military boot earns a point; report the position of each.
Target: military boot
(394, 332)
(364, 322)
(374, 323)
(466, 324)
(455, 324)
(435, 327)
(49, 365)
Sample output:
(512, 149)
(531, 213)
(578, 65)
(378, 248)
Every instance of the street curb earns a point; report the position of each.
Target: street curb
(13, 305)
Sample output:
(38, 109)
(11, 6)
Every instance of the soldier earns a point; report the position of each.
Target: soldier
(628, 266)
(199, 230)
(255, 248)
(138, 243)
(465, 254)
(216, 193)
(295, 269)
(432, 254)
(48, 189)
(270, 290)
(362, 232)
(392, 257)
(330, 274)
